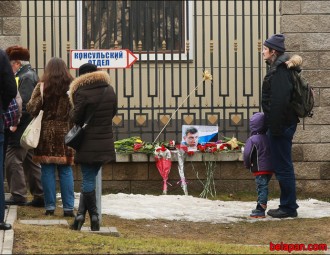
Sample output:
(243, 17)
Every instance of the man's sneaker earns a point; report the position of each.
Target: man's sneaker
(279, 213)
(256, 213)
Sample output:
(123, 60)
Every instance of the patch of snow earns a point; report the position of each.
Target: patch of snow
(189, 208)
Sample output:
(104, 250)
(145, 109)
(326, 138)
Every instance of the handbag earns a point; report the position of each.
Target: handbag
(30, 137)
(75, 136)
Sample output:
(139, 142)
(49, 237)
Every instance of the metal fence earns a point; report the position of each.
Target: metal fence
(175, 42)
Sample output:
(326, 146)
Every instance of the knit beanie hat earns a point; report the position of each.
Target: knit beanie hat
(18, 53)
(276, 42)
(87, 68)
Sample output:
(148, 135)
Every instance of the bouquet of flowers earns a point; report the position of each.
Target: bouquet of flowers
(134, 144)
(228, 144)
(181, 151)
(163, 163)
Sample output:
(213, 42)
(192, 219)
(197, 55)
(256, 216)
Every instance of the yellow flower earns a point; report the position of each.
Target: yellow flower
(138, 141)
(207, 76)
(233, 143)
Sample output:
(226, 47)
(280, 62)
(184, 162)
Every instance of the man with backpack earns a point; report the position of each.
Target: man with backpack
(281, 118)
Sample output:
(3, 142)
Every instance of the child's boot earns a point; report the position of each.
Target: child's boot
(259, 212)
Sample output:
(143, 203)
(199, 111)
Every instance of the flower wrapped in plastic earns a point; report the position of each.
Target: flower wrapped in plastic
(182, 150)
(163, 163)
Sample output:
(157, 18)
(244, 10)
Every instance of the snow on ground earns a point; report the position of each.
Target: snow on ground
(188, 208)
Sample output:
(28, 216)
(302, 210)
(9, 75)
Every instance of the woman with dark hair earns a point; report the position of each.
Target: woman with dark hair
(51, 152)
(92, 94)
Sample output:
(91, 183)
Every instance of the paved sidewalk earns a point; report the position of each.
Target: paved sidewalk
(7, 237)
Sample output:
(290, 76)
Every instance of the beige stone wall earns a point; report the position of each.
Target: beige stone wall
(306, 25)
(10, 23)
(137, 173)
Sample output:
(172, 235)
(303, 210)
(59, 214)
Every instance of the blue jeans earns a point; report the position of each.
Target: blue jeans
(262, 187)
(89, 173)
(2, 191)
(281, 147)
(48, 180)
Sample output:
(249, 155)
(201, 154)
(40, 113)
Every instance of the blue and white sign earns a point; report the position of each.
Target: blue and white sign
(106, 59)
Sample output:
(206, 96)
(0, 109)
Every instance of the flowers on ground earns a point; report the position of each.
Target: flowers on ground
(136, 144)
(163, 158)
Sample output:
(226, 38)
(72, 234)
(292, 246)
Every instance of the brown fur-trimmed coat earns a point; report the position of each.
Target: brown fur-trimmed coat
(54, 126)
(86, 92)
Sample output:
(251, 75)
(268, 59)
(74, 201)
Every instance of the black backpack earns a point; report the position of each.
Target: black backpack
(302, 100)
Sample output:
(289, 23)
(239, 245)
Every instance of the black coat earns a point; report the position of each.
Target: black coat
(85, 94)
(277, 90)
(8, 89)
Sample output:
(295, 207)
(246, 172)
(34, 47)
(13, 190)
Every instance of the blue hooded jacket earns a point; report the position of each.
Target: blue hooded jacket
(256, 154)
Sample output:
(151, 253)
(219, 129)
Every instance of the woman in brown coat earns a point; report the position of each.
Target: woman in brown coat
(51, 152)
(92, 92)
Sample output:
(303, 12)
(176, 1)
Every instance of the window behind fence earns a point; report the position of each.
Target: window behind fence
(134, 24)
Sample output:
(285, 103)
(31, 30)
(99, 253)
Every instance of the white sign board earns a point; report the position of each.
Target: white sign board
(106, 59)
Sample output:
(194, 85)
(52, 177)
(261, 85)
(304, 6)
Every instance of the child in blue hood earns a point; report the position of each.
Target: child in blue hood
(257, 158)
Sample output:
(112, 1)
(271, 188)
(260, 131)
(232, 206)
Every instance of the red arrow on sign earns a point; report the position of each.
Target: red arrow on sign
(131, 59)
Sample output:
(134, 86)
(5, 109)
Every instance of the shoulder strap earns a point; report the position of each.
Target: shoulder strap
(42, 92)
(94, 109)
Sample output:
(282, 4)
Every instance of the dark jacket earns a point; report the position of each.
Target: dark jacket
(54, 126)
(27, 80)
(85, 93)
(8, 89)
(276, 97)
(256, 153)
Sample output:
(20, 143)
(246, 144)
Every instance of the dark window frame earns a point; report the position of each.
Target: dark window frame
(176, 35)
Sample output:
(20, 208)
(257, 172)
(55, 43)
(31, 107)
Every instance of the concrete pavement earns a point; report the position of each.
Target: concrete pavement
(7, 237)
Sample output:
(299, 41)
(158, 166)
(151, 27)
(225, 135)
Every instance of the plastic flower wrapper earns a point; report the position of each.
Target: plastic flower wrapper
(163, 163)
(181, 150)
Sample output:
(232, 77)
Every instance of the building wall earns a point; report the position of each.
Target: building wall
(10, 23)
(306, 25)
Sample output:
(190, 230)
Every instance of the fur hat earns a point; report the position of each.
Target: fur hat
(276, 42)
(87, 68)
(18, 53)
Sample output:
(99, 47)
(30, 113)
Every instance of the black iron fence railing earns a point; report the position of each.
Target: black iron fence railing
(175, 42)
